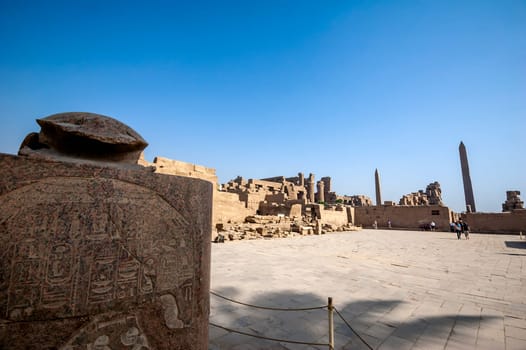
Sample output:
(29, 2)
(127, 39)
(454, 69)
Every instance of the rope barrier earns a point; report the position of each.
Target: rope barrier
(267, 338)
(268, 308)
(348, 325)
(329, 307)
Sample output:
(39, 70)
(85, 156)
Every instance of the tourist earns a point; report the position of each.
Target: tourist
(458, 229)
(389, 223)
(465, 228)
(432, 225)
(452, 226)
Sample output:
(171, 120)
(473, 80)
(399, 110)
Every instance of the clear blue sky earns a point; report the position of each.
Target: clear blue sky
(266, 88)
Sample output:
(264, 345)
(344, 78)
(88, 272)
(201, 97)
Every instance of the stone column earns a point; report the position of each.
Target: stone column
(311, 189)
(327, 186)
(321, 191)
(377, 185)
(466, 178)
(301, 179)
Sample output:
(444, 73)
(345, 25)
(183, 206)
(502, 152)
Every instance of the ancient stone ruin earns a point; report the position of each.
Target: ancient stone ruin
(432, 196)
(513, 201)
(97, 251)
(414, 198)
(359, 200)
(278, 207)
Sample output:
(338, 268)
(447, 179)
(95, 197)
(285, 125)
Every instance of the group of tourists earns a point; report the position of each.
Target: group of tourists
(460, 227)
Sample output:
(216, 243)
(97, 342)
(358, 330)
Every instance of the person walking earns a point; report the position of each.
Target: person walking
(465, 229)
(458, 229)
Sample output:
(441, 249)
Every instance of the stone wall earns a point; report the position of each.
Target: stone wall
(176, 167)
(408, 217)
(266, 208)
(252, 200)
(291, 208)
(508, 222)
(334, 217)
(228, 208)
(355, 201)
(276, 198)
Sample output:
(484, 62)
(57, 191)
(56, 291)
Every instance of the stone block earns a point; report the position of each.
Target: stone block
(102, 255)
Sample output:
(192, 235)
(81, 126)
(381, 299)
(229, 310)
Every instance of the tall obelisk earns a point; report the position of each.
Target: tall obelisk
(377, 185)
(466, 178)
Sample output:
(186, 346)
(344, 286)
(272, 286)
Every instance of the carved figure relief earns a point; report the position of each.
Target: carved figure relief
(171, 312)
(106, 332)
(101, 343)
(134, 339)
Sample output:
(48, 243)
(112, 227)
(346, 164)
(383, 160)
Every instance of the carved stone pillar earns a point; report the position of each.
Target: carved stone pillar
(100, 252)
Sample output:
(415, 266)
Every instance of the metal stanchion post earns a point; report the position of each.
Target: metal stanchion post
(331, 324)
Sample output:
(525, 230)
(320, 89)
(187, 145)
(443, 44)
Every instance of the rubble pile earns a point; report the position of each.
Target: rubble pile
(270, 226)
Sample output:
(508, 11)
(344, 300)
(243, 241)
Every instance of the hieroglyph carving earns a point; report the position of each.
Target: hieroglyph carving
(110, 333)
(95, 251)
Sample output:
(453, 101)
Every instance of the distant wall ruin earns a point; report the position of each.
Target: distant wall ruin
(338, 218)
(509, 222)
(409, 217)
(290, 196)
(176, 167)
(431, 196)
(228, 208)
(513, 201)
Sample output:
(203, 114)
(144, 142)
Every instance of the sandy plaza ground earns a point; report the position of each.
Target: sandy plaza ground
(396, 289)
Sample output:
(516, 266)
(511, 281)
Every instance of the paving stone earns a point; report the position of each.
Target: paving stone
(514, 332)
(386, 287)
(491, 333)
(380, 330)
(515, 344)
(490, 344)
(411, 331)
(396, 343)
(515, 322)
(459, 344)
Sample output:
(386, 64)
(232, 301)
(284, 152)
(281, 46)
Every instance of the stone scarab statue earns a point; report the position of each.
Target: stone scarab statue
(85, 136)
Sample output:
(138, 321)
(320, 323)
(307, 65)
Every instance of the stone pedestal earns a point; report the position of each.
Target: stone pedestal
(102, 256)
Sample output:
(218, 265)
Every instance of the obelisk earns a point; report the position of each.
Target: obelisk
(466, 178)
(377, 185)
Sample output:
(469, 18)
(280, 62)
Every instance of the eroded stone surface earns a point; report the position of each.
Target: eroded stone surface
(86, 136)
(102, 257)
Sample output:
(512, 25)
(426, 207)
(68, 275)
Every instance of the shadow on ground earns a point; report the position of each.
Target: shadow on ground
(516, 244)
(366, 317)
